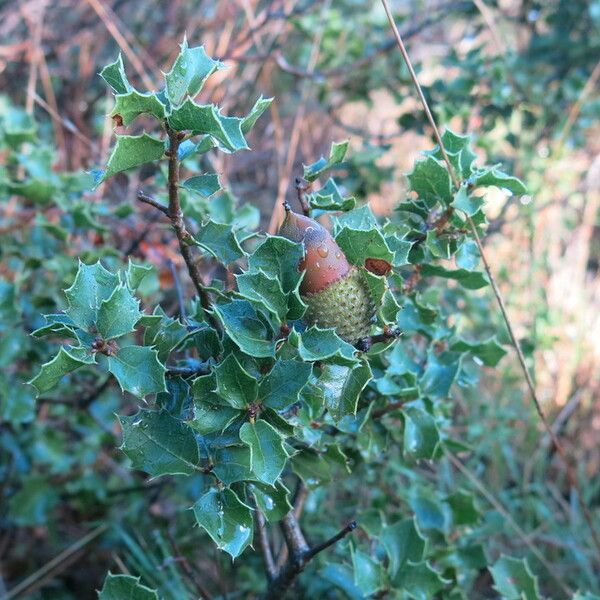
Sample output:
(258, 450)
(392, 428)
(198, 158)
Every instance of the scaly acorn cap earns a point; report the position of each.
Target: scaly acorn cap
(335, 291)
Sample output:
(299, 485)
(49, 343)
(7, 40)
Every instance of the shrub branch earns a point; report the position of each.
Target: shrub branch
(570, 472)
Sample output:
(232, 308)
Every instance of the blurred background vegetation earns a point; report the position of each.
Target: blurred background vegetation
(522, 75)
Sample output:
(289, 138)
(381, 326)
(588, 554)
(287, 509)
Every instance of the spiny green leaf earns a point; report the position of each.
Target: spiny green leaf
(92, 285)
(358, 245)
(273, 502)
(329, 197)
(324, 345)
(420, 580)
(138, 370)
(226, 519)
(267, 454)
(206, 119)
(489, 352)
(66, 361)
(472, 280)
(232, 464)
(257, 110)
(311, 467)
(368, 574)
(278, 257)
(361, 218)
(342, 387)
(234, 384)
(159, 444)
(118, 314)
(205, 185)
(514, 580)
(464, 511)
(257, 286)
(130, 105)
(403, 542)
(212, 418)
(467, 256)
(281, 387)
(492, 176)
(421, 435)
(336, 155)
(131, 151)
(246, 329)
(431, 181)
(136, 273)
(114, 75)
(439, 374)
(121, 587)
(468, 203)
(189, 72)
(220, 241)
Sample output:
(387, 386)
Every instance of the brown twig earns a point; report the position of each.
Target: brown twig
(571, 476)
(175, 215)
(300, 554)
(265, 545)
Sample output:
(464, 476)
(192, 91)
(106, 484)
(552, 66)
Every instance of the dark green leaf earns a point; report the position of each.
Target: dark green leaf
(494, 177)
(257, 110)
(324, 345)
(130, 105)
(464, 511)
(368, 574)
(431, 181)
(226, 519)
(67, 360)
(342, 387)
(125, 587)
(246, 329)
(420, 581)
(471, 280)
(159, 444)
(403, 542)
(514, 579)
(138, 370)
(281, 387)
(114, 75)
(267, 455)
(204, 185)
(118, 314)
(220, 241)
(273, 502)
(358, 245)
(336, 155)
(490, 352)
(278, 257)
(234, 384)
(467, 202)
(257, 286)
(421, 435)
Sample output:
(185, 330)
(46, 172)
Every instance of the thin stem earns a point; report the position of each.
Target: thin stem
(499, 298)
(265, 544)
(333, 540)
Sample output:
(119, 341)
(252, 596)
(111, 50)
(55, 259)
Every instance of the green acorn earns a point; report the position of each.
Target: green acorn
(334, 290)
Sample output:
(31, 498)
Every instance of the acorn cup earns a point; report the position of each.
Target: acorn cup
(335, 291)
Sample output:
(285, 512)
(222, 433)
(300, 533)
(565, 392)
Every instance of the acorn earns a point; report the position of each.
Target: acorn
(335, 291)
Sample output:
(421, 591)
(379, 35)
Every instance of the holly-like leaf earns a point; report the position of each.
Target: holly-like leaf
(204, 185)
(17, 403)
(234, 384)
(281, 387)
(232, 464)
(159, 444)
(118, 314)
(311, 467)
(278, 257)
(246, 329)
(67, 360)
(361, 218)
(220, 241)
(136, 273)
(226, 519)
(360, 245)
(130, 105)
(464, 511)
(466, 202)
(267, 454)
(514, 580)
(336, 155)
(471, 280)
(189, 72)
(490, 352)
(403, 542)
(257, 110)
(329, 197)
(494, 177)
(459, 151)
(467, 256)
(207, 120)
(114, 75)
(419, 580)
(431, 181)
(324, 345)
(131, 151)
(439, 374)
(92, 285)
(121, 587)
(342, 387)
(212, 418)
(368, 574)
(138, 370)
(257, 286)
(421, 435)
(273, 502)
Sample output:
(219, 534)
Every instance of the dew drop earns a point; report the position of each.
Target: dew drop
(323, 251)
(317, 265)
(338, 255)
